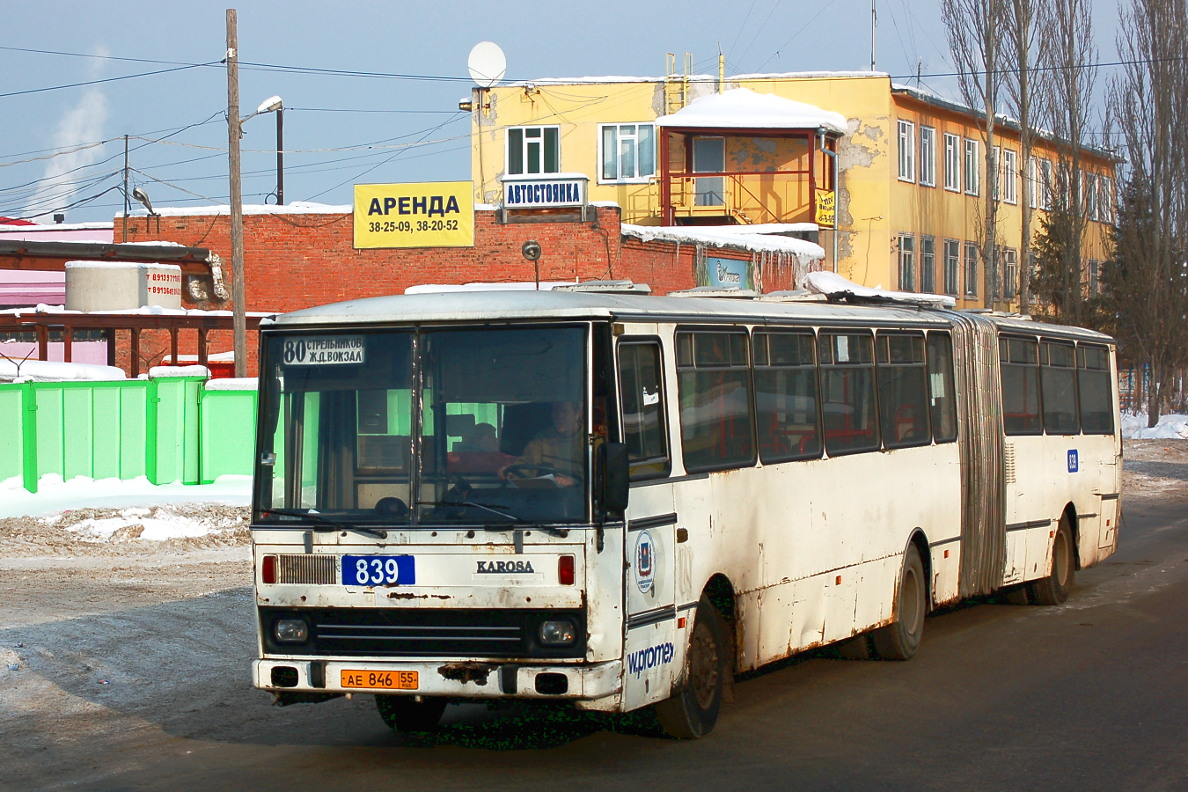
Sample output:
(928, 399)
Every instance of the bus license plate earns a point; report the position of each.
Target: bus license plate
(379, 680)
(378, 570)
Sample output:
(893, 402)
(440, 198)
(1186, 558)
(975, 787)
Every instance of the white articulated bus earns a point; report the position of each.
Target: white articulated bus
(616, 500)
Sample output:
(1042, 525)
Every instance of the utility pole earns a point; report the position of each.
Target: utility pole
(234, 131)
(127, 204)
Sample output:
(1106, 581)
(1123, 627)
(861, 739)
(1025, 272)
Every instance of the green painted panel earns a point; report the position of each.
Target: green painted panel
(12, 446)
(49, 428)
(228, 427)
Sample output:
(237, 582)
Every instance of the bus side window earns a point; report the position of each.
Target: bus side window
(1096, 398)
(940, 387)
(714, 383)
(848, 392)
(645, 422)
(786, 397)
(1058, 384)
(1020, 386)
(903, 390)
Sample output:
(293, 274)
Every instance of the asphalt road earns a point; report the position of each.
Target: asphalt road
(1091, 695)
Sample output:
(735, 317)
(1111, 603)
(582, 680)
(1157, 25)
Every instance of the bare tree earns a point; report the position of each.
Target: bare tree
(974, 30)
(1023, 52)
(1147, 281)
(1066, 97)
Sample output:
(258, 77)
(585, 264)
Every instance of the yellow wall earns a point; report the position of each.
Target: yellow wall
(873, 205)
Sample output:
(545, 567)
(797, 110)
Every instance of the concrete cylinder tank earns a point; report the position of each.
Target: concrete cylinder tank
(121, 286)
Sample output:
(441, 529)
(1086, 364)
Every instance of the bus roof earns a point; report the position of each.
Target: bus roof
(520, 305)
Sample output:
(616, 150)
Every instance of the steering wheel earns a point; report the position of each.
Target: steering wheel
(523, 471)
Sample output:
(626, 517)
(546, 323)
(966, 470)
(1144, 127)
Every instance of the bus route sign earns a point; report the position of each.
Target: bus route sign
(414, 215)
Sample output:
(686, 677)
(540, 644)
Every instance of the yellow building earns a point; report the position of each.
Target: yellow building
(909, 168)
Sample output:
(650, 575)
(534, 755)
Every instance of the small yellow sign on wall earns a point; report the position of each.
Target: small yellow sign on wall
(826, 206)
(413, 215)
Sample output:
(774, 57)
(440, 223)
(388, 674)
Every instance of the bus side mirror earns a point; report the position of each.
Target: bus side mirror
(615, 469)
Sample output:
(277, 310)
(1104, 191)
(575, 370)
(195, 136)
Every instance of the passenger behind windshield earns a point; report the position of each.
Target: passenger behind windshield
(556, 453)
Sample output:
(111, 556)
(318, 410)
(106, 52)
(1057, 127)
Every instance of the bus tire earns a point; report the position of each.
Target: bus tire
(1053, 589)
(900, 639)
(409, 713)
(692, 712)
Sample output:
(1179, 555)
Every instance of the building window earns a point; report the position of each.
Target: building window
(1092, 209)
(1105, 199)
(927, 264)
(907, 262)
(533, 150)
(971, 269)
(1010, 273)
(1010, 169)
(971, 167)
(1094, 278)
(907, 151)
(628, 152)
(952, 163)
(928, 156)
(1045, 184)
(952, 266)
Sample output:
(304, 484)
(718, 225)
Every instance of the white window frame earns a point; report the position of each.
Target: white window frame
(927, 264)
(626, 132)
(1010, 169)
(907, 151)
(907, 262)
(1091, 206)
(1105, 199)
(927, 156)
(970, 262)
(952, 285)
(1010, 273)
(526, 144)
(1046, 185)
(972, 167)
(952, 162)
(1094, 278)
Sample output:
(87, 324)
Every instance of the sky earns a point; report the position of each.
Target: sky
(371, 89)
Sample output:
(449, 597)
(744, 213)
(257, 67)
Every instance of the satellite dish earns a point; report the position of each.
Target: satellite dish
(487, 64)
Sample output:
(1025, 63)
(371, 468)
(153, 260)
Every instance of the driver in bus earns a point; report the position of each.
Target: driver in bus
(558, 450)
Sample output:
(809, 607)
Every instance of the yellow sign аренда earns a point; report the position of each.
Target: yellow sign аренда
(826, 208)
(418, 214)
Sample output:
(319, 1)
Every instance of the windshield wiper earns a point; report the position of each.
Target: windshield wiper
(326, 524)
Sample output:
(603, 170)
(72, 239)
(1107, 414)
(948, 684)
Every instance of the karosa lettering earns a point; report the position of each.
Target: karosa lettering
(504, 567)
(424, 204)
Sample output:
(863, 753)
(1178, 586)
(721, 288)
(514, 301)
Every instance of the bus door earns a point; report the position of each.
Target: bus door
(653, 651)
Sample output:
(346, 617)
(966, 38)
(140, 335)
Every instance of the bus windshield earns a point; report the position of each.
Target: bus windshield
(458, 426)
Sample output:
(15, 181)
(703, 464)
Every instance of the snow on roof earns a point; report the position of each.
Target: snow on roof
(146, 310)
(830, 283)
(742, 108)
(50, 371)
(297, 207)
(729, 236)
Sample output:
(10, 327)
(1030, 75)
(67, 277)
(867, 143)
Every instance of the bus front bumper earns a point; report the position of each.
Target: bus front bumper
(449, 678)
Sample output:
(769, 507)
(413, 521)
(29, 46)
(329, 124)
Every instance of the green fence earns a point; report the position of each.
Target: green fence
(167, 429)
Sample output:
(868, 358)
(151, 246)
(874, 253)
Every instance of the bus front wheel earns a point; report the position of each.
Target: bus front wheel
(900, 639)
(692, 712)
(409, 713)
(1053, 589)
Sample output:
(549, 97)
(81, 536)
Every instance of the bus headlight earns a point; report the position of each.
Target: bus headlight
(557, 632)
(292, 631)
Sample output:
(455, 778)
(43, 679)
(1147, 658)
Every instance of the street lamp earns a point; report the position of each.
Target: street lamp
(274, 104)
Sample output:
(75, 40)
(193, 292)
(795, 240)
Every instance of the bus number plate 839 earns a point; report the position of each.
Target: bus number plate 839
(381, 680)
(378, 570)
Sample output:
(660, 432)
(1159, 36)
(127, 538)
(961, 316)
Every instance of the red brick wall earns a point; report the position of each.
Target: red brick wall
(294, 261)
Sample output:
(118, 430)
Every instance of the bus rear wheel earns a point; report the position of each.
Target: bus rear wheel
(1053, 589)
(692, 712)
(900, 639)
(410, 713)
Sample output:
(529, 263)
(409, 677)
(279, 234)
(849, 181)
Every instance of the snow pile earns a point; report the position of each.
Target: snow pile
(150, 524)
(55, 495)
(1169, 427)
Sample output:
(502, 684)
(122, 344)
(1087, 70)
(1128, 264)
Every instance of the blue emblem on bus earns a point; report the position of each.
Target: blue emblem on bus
(644, 562)
(1074, 462)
